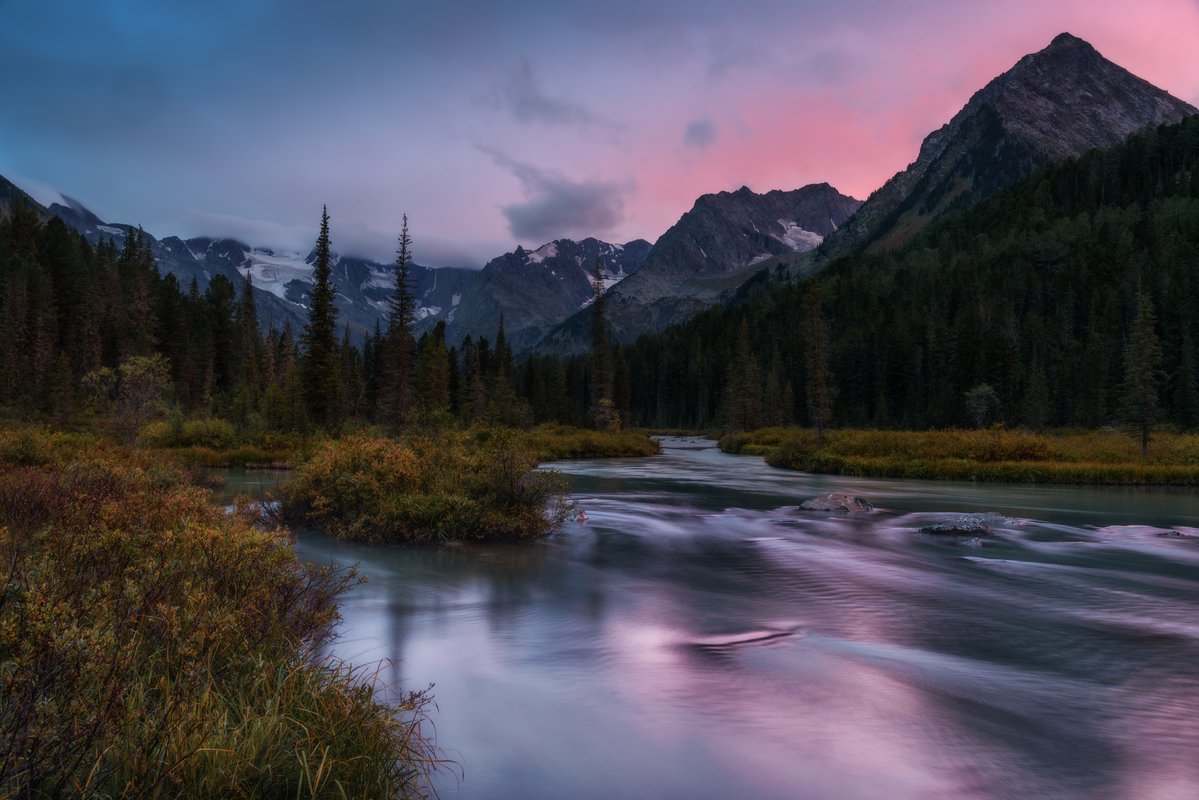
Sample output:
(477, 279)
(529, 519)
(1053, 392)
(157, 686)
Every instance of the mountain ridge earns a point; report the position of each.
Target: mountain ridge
(1059, 102)
(722, 240)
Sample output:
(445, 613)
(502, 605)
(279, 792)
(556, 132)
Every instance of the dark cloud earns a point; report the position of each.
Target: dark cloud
(521, 95)
(700, 134)
(556, 206)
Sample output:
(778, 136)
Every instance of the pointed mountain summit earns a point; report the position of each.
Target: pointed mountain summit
(1057, 103)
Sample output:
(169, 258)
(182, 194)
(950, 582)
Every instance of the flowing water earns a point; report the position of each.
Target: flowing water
(700, 636)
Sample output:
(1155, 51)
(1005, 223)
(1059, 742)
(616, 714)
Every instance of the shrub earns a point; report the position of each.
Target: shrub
(481, 486)
(25, 447)
(207, 432)
(152, 646)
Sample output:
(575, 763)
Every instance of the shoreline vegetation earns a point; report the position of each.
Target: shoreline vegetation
(152, 645)
(214, 443)
(1098, 457)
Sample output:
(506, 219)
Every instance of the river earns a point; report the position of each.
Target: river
(700, 636)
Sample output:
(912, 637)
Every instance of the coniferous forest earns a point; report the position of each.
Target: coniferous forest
(1050, 304)
(1056, 300)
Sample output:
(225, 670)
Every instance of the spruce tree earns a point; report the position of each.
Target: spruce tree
(433, 378)
(320, 367)
(816, 345)
(1139, 401)
(603, 410)
(1185, 400)
(397, 354)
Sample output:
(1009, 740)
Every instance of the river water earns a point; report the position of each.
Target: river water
(700, 636)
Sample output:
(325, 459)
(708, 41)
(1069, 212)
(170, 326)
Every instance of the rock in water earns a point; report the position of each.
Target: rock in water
(967, 525)
(837, 501)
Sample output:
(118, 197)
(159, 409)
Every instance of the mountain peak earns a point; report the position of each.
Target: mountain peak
(1068, 40)
(1056, 103)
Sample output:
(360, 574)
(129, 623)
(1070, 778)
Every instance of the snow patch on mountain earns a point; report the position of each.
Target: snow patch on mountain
(423, 312)
(380, 280)
(272, 272)
(797, 238)
(608, 280)
(542, 253)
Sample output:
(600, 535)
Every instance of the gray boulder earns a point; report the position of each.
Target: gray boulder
(967, 525)
(837, 501)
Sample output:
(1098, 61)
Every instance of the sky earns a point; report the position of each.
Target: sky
(497, 124)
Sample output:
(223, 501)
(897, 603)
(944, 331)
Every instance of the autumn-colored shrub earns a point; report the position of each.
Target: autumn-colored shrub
(153, 646)
(480, 486)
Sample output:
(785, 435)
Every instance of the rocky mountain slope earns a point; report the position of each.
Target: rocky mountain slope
(712, 249)
(1059, 102)
(537, 289)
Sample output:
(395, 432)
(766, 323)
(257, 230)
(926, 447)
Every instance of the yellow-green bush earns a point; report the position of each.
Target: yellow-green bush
(152, 646)
(555, 442)
(481, 486)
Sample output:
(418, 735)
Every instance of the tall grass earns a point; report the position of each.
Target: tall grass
(480, 486)
(152, 646)
(556, 442)
(1092, 457)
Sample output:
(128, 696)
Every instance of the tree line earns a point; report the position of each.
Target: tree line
(96, 328)
(1065, 300)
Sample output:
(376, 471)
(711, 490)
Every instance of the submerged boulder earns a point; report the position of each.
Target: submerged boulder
(837, 501)
(967, 525)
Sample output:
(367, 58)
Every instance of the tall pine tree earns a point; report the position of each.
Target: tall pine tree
(1139, 401)
(321, 364)
(603, 411)
(816, 347)
(397, 354)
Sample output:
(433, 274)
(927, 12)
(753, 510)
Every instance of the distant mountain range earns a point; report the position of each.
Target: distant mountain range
(1057, 103)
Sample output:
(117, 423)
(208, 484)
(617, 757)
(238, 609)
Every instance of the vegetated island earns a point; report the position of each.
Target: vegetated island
(1098, 457)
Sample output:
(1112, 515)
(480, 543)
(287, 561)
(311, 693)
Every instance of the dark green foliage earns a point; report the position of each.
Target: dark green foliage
(1032, 292)
(604, 415)
(815, 335)
(397, 353)
(1140, 405)
(322, 388)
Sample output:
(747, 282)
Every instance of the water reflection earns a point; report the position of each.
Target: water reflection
(700, 636)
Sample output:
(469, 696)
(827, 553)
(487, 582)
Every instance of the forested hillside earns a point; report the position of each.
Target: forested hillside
(1027, 302)
(1034, 294)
